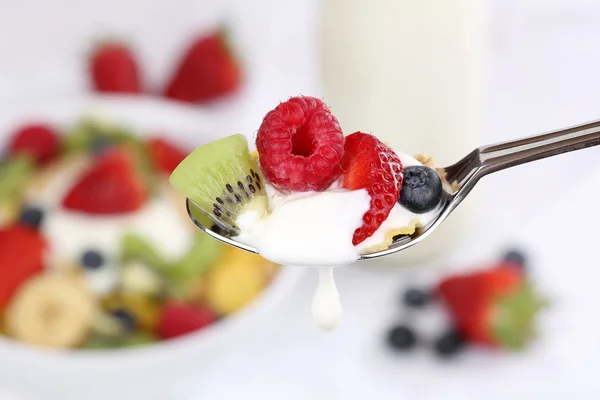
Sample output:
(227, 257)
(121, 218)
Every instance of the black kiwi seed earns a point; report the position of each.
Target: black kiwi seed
(249, 178)
(253, 173)
(219, 200)
(217, 212)
(257, 178)
(229, 188)
(229, 200)
(258, 185)
(252, 188)
(238, 198)
(240, 185)
(216, 206)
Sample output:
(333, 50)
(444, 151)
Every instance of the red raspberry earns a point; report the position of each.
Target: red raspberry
(300, 144)
(37, 140)
(370, 164)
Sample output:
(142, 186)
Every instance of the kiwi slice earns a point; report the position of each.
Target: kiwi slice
(136, 248)
(15, 173)
(221, 180)
(89, 133)
(202, 255)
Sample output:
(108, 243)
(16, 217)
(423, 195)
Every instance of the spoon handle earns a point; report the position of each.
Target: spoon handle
(508, 154)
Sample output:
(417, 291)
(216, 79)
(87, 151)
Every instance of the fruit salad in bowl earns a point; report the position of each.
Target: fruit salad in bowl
(98, 257)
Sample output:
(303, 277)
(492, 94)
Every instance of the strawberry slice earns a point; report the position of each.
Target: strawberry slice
(165, 155)
(207, 70)
(369, 164)
(111, 186)
(494, 306)
(179, 319)
(21, 256)
(36, 140)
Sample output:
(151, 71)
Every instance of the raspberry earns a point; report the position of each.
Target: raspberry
(300, 144)
(39, 141)
(369, 164)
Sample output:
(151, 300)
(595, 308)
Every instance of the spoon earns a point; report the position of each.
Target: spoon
(461, 177)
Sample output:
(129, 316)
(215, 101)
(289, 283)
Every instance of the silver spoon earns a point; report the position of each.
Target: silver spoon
(461, 178)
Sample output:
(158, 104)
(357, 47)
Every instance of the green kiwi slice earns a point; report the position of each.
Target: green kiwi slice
(15, 173)
(220, 179)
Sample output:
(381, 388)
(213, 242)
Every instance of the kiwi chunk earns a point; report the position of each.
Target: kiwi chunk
(221, 179)
(202, 255)
(15, 173)
(136, 248)
(89, 134)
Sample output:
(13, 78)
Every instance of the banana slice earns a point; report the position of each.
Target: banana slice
(235, 281)
(52, 311)
(9, 211)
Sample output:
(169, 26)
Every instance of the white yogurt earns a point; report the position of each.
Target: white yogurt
(309, 229)
(315, 229)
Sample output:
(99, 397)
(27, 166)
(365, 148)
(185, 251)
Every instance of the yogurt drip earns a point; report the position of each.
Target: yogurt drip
(326, 306)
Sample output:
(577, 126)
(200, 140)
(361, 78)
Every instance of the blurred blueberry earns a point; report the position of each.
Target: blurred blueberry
(401, 338)
(125, 318)
(449, 344)
(31, 216)
(92, 259)
(416, 298)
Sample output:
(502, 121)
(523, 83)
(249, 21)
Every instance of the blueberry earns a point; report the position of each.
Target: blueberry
(31, 216)
(402, 338)
(449, 344)
(92, 259)
(101, 143)
(515, 256)
(421, 189)
(416, 298)
(125, 318)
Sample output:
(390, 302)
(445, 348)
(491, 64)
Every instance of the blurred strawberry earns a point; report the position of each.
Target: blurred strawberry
(495, 306)
(114, 69)
(37, 140)
(21, 256)
(178, 319)
(111, 186)
(207, 70)
(165, 155)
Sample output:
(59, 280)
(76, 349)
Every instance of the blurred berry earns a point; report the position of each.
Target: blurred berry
(31, 216)
(516, 257)
(449, 344)
(416, 298)
(402, 338)
(92, 259)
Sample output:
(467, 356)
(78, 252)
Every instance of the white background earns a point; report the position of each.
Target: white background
(545, 64)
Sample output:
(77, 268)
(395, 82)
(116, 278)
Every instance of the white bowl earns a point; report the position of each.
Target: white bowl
(155, 371)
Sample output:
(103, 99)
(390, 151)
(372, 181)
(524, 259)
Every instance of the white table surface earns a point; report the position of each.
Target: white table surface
(545, 59)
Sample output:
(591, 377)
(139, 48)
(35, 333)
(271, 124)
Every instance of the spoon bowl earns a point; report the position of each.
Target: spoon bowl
(459, 179)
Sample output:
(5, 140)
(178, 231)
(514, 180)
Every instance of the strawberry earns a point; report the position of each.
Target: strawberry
(111, 186)
(178, 319)
(37, 140)
(114, 69)
(165, 155)
(494, 306)
(369, 164)
(207, 70)
(21, 256)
